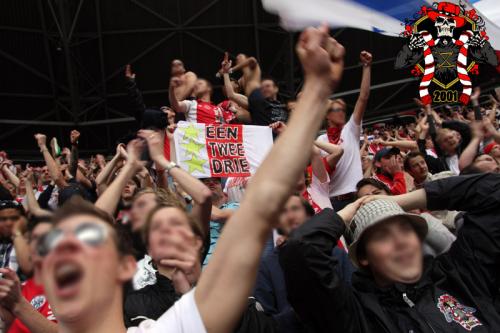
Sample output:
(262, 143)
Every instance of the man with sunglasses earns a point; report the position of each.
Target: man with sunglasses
(349, 170)
(24, 308)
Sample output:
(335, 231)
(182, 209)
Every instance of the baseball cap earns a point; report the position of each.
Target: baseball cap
(376, 212)
(386, 152)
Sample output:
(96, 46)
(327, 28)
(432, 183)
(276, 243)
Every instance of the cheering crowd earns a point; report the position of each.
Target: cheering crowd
(386, 228)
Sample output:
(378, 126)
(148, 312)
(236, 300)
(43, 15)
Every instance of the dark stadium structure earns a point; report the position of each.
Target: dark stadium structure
(62, 63)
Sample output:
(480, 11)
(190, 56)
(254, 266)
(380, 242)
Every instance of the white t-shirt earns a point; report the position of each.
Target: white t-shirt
(349, 171)
(452, 162)
(182, 317)
(319, 192)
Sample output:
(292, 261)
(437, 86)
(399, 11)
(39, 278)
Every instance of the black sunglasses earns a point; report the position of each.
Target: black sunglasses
(88, 233)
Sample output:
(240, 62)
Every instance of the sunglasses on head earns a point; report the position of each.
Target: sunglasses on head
(91, 234)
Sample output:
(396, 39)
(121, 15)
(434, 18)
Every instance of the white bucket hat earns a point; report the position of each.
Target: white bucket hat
(374, 213)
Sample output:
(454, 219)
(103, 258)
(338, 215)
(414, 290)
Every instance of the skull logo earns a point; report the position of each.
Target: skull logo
(445, 26)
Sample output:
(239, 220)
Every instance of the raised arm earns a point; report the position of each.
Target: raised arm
(364, 94)
(73, 162)
(200, 193)
(175, 104)
(33, 206)
(103, 176)
(470, 152)
(10, 175)
(401, 144)
(55, 172)
(185, 90)
(108, 201)
(239, 99)
(234, 263)
(335, 152)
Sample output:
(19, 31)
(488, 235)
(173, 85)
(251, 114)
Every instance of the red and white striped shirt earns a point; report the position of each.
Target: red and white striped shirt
(199, 111)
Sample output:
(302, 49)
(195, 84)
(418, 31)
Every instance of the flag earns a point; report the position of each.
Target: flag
(383, 16)
(221, 150)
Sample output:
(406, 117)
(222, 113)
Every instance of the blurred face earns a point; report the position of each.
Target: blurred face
(45, 175)
(129, 191)
(449, 141)
(170, 117)
(386, 162)
(240, 58)
(370, 190)
(177, 68)
(8, 217)
(366, 162)
(72, 268)
(141, 207)
(486, 163)
(269, 89)
(336, 115)
(418, 168)
(293, 215)
(393, 252)
(40, 230)
(164, 223)
(201, 88)
(215, 185)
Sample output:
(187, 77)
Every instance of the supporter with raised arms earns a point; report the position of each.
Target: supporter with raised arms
(187, 80)
(397, 289)
(83, 248)
(349, 170)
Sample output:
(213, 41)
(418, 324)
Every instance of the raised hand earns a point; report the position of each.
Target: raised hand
(366, 58)
(155, 144)
(226, 64)
(128, 72)
(183, 254)
(322, 57)
(134, 151)
(278, 127)
(416, 42)
(41, 140)
(74, 136)
(10, 289)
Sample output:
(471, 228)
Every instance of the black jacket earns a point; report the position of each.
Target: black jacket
(455, 294)
(153, 301)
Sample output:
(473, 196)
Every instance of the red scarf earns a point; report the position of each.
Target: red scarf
(334, 134)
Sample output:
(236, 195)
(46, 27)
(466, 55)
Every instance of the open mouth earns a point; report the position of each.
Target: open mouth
(67, 276)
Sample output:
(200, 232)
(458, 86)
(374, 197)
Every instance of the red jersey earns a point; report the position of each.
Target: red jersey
(228, 115)
(36, 296)
(397, 184)
(203, 112)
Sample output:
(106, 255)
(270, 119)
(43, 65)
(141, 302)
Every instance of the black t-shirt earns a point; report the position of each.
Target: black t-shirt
(265, 111)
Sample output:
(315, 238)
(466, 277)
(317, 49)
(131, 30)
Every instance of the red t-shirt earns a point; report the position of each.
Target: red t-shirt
(227, 114)
(36, 296)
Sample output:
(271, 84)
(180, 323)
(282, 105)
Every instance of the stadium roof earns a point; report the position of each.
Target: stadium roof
(62, 62)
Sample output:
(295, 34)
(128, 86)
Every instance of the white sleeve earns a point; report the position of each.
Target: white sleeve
(182, 317)
(190, 109)
(353, 130)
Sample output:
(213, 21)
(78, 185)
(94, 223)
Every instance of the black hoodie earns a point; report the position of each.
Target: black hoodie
(457, 290)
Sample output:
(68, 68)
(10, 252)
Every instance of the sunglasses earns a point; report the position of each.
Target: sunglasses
(336, 110)
(91, 234)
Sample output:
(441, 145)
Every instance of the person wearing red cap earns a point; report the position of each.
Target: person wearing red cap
(493, 149)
